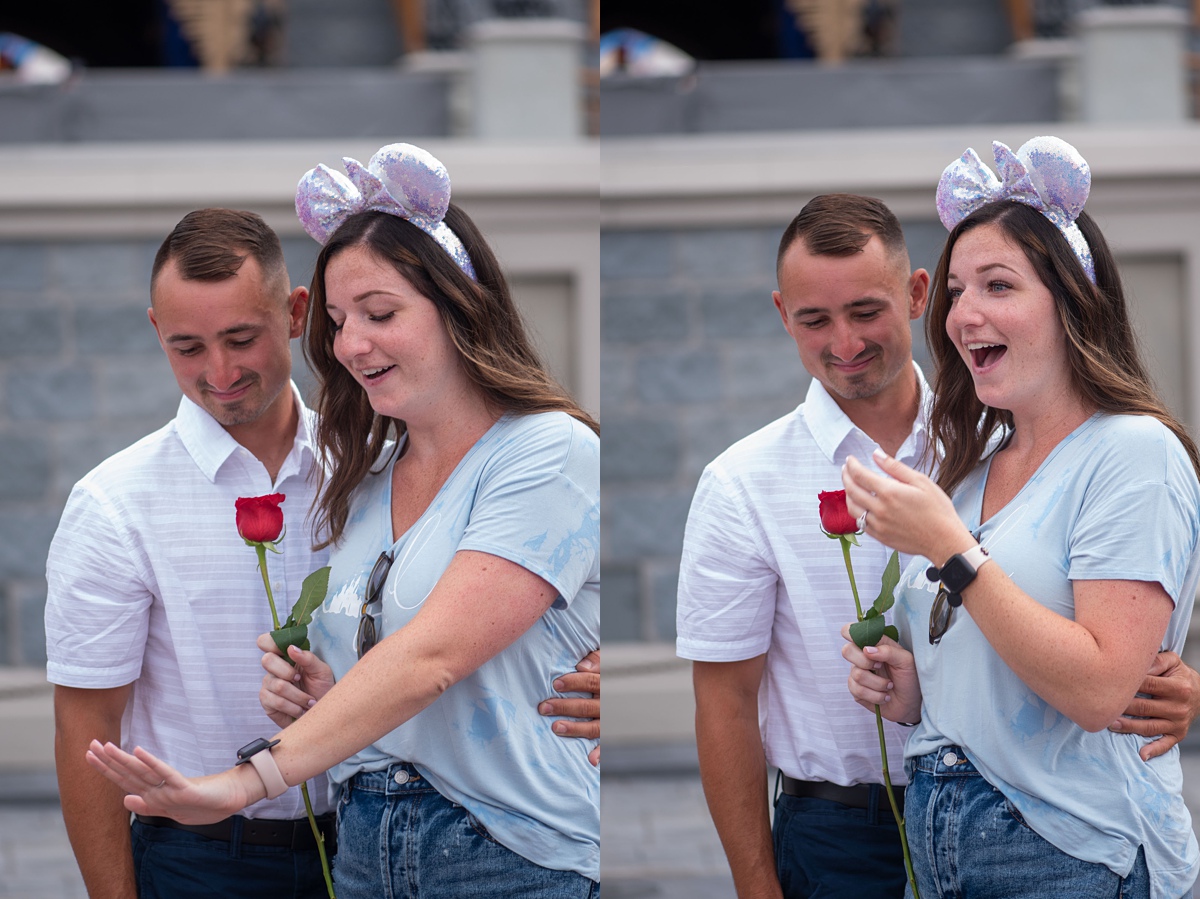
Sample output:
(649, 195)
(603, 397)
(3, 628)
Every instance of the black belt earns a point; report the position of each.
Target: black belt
(857, 796)
(295, 835)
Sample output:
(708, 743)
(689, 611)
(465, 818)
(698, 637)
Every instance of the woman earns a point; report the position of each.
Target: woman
(1086, 503)
(463, 512)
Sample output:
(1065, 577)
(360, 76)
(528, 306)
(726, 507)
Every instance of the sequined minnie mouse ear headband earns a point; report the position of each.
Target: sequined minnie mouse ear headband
(1047, 173)
(400, 179)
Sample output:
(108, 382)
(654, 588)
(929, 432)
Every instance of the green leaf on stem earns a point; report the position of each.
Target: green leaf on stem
(887, 587)
(312, 594)
(296, 635)
(890, 631)
(869, 631)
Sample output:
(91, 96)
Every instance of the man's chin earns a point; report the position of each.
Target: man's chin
(859, 387)
(233, 414)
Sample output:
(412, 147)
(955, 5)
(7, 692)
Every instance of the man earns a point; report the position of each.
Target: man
(154, 600)
(763, 593)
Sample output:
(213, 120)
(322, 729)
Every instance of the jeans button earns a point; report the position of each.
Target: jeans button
(401, 777)
(950, 759)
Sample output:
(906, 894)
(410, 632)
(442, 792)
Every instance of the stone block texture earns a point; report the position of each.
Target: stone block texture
(694, 357)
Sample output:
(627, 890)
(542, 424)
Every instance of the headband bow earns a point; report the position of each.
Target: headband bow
(1047, 173)
(400, 179)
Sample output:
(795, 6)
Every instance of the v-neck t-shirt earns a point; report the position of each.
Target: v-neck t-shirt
(1117, 499)
(527, 491)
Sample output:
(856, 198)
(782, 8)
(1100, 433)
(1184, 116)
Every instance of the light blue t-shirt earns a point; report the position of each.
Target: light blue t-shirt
(529, 492)
(1116, 500)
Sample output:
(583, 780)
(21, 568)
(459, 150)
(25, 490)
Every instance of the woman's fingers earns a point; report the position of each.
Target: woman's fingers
(141, 775)
(280, 697)
(278, 666)
(267, 644)
(870, 687)
(896, 469)
(155, 788)
(860, 484)
(869, 658)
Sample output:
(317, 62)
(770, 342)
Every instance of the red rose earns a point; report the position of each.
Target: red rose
(835, 517)
(259, 518)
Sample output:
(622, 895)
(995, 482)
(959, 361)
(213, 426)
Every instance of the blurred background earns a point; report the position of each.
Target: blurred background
(715, 130)
(117, 119)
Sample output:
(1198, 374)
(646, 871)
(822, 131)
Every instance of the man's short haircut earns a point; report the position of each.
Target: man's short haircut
(212, 244)
(841, 225)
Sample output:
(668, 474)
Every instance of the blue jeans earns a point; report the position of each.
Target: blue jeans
(968, 842)
(826, 850)
(407, 841)
(175, 864)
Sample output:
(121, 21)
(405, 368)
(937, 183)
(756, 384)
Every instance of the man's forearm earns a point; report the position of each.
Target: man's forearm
(93, 810)
(733, 770)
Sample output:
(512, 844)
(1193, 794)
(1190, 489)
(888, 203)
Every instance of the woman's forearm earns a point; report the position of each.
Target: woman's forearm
(480, 605)
(1088, 668)
(387, 687)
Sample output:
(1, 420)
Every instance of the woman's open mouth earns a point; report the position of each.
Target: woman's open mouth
(984, 355)
(370, 375)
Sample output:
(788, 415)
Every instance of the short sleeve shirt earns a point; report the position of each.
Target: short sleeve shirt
(759, 576)
(528, 492)
(1116, 500)
(150, 584)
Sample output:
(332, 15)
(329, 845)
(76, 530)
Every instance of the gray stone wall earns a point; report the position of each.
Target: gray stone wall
(693, 358)
(81, 376)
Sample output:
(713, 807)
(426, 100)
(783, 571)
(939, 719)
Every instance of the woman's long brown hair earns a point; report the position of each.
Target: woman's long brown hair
(484, 326)
(1102, 351)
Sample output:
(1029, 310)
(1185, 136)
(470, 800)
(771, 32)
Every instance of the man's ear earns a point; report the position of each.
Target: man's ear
(154, 323)
(298, 310)
(778, 298)
(918, 293)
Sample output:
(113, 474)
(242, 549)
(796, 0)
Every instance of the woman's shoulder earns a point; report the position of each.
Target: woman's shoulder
(546, 441)
(550, 429)
(1134, 435)
(1142, 443)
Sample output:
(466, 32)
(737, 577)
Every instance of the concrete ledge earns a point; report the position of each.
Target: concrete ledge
(803, 95)
(24, 787)
(647, 696)
(27, 735)
(244, 105)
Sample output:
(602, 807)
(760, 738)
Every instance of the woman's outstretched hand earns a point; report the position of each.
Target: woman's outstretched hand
(288, 692)
(884, 676)
(905, 509)
(155, 788)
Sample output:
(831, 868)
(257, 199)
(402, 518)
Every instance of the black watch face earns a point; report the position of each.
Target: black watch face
(251, 748)
(957, 574)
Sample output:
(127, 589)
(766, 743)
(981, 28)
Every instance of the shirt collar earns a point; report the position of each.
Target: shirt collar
(831, 427)
(210, 445)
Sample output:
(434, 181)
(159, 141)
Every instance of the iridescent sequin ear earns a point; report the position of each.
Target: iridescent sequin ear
(1046, 173)
(400, 180)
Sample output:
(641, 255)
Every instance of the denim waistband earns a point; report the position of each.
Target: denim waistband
(397, 779)
(947, 761)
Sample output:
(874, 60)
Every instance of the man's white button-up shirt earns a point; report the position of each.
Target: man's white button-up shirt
(758, 575)
(150, 584)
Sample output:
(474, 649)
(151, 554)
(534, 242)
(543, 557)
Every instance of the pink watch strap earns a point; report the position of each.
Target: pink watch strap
(268, 772)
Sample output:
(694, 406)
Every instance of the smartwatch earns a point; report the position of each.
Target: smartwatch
(258, 754)
(958, 572)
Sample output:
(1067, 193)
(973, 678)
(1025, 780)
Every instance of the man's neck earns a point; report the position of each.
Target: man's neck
(888, 416)
(271, 436)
